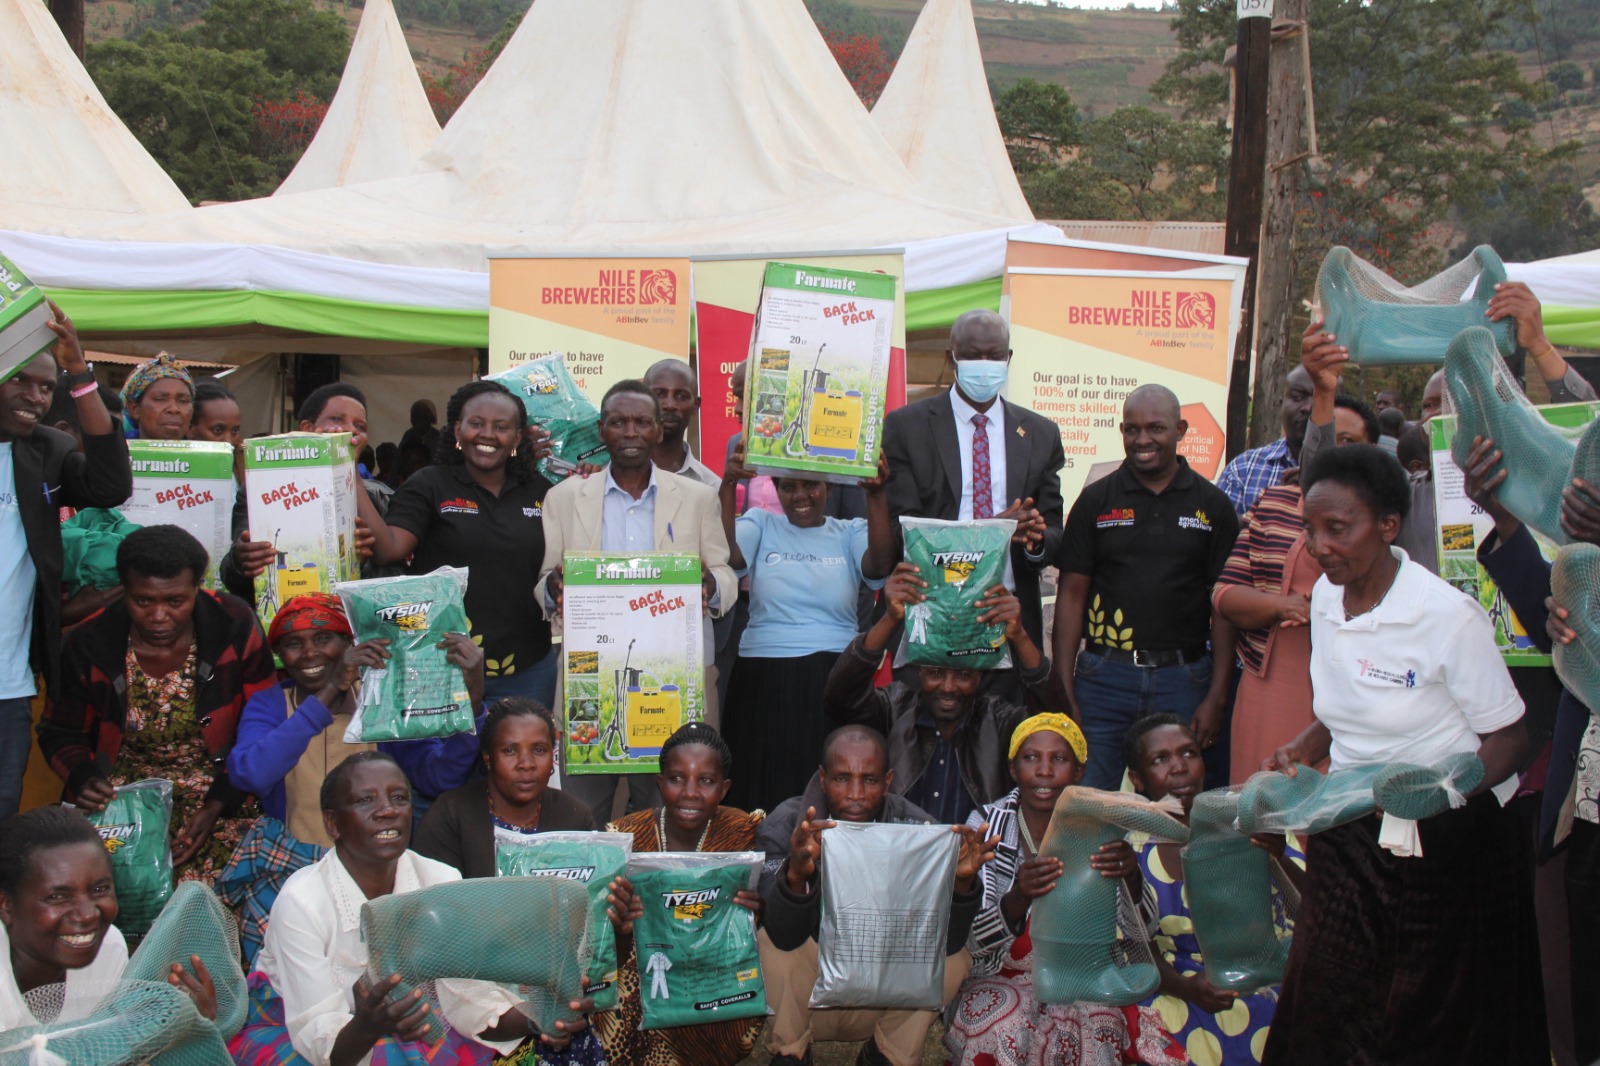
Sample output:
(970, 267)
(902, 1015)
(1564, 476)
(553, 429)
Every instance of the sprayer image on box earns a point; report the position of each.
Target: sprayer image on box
(643, 707)
(830, 417)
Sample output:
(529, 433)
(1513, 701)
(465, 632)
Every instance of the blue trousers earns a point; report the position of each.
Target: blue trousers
(16, 741)
(1112, 696)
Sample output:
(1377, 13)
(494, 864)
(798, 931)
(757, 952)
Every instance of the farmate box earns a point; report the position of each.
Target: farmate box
(24, 318)
(632, 658)
(185, 483)
(818, 376)
(302, 498)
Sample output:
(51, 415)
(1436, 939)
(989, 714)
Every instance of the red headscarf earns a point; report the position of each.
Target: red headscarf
(314, 610)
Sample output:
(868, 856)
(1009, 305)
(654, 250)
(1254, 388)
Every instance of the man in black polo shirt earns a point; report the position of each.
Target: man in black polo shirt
(1141, 550)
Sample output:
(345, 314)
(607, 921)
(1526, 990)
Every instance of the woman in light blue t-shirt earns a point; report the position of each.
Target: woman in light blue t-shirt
(805, 569)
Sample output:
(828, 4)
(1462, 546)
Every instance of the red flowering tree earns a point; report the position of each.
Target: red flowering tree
(863, 60)
(447, 92)
(283, 128)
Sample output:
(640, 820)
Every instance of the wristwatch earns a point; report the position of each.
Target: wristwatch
(81, 377)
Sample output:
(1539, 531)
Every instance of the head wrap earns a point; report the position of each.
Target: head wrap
(314, 610)
(1058, 724)
(146, 374)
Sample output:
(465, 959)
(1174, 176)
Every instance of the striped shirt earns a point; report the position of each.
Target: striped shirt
(1258, 560)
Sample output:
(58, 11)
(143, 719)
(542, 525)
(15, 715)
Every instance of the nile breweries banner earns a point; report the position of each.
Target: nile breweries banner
(1085, 339)
(727, 291)
(612, 317)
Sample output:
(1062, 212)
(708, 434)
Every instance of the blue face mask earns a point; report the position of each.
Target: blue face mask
(981, 379)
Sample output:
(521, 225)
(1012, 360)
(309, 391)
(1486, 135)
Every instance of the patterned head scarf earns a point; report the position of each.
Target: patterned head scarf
(144, 375)
(314, 610)
(1058, 724)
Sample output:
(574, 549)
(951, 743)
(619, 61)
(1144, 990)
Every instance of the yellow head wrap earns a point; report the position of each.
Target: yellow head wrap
(1058, 724)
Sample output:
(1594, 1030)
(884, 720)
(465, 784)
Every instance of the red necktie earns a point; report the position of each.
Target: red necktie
(982, 497)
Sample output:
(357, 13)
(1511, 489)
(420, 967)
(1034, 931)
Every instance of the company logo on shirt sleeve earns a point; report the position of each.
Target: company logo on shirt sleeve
(1117, 516)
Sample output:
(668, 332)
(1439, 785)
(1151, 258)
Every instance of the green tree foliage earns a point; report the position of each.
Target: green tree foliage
(1565, 77)
(1412, 116)
(192, 96)
(481, 16)
(1039, 122)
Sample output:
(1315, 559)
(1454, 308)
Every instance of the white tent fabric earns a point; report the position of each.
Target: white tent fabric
(67, 163)
(379, 123)
(936, 114)
(1568, 280)
(629, 126)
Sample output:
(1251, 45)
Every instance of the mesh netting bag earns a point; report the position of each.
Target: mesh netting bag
(556, 403)
(960, 561)
(1575, 584)
(1487, 402)
(1089, 943)
(194, 922)
(135, 1022)
(1384, 323)
(1414, 792)
(1228, 883)
(1308, 802)
(695, 947)
(885, 915)
(135, 826)
(419, 693)
(525, 932)
(590, 859)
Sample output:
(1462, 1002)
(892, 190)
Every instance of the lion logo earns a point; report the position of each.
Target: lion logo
(1197, 310)
(658, 287)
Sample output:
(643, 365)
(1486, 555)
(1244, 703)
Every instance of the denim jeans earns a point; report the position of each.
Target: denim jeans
(16, 741)
(1112, 696)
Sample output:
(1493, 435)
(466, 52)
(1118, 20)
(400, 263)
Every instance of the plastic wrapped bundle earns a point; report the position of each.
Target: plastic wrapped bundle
(135, 1022)
(419, 693)
(1575, 584)
(1089, 944)
(89, 542)
(960, 561)
(590, 859)
(1384, 323)
(556, 403)
(1229, 887)
(483, 930)
(194, 922)
(1308, 802)
(1487, 403)
(695, 947)
(134, 826)
(1414, 792)
(885, 915)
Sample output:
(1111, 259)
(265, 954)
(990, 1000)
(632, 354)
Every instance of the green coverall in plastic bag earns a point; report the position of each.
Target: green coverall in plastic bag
(960, 561)
(135, 827)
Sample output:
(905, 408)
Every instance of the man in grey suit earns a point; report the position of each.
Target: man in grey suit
(969, 454)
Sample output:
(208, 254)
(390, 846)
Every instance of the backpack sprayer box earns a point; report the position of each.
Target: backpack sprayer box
(632, 657)
(818, 376)
(24, 320)
(302, 497)
(185, 483)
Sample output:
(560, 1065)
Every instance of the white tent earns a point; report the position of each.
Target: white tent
(696, 125)
(379, 123)
(67, 163)
(936, 113)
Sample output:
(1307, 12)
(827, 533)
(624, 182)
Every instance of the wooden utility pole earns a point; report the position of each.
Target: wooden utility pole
(1277, 347)
(1246, 177)
(69, 16)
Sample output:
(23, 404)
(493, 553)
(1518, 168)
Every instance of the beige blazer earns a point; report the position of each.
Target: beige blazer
(688, 520)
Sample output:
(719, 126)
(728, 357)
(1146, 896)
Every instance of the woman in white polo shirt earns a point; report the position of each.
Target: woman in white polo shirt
(1430, 958)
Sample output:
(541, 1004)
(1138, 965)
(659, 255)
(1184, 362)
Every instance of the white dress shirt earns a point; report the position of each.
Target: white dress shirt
(313, 953)
(996, 432)
(85, 987)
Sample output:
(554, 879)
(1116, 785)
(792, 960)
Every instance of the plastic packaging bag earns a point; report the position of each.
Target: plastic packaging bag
(960, 561)
(1228, 883)
(89, 543)
(696, 947)
(420, 693)
(885, 915)
(592, 860)
(1088, 940)
(136, 828)
(526, 932)
(556, 403)
(1384, 323)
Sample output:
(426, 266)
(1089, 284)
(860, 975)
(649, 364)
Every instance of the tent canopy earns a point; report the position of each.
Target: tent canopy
(68, 164)
(936, 114)
(379, 122)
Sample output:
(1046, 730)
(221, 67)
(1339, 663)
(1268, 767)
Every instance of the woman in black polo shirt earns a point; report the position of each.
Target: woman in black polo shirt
(481, 506)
